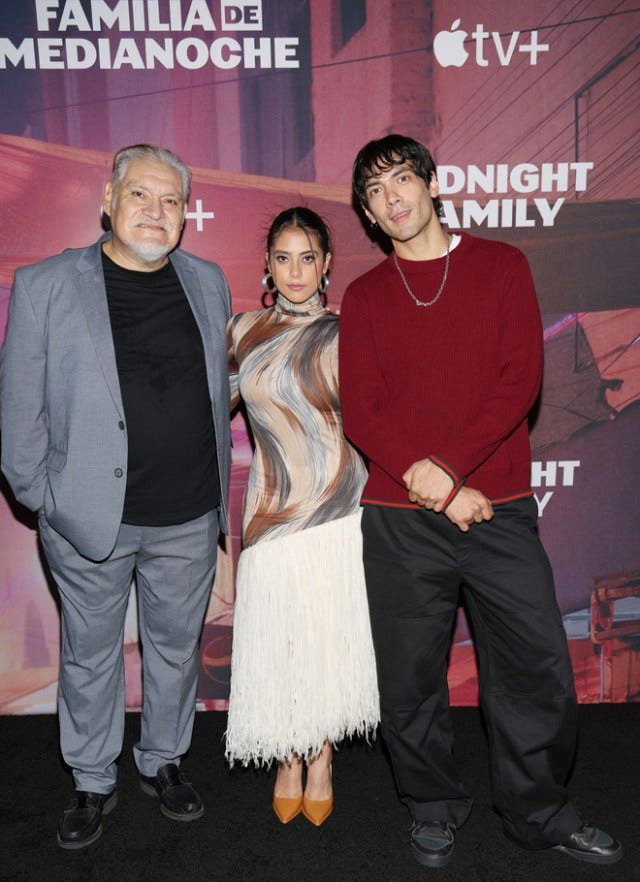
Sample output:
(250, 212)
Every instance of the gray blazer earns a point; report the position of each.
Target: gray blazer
(64, 438)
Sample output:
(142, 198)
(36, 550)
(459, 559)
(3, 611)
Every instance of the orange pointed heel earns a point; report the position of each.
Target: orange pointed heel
(286, 809)
(317, 810)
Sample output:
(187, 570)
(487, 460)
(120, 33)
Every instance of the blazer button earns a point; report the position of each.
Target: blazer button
(118, 473)
(121, 425)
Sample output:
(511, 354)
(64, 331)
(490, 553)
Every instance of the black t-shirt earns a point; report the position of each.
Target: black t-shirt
(172, 474)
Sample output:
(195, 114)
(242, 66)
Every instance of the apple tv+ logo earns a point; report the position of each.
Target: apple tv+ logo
(450, 51)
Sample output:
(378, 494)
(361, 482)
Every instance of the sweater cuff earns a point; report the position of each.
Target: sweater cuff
(455, 477)
(456, 489)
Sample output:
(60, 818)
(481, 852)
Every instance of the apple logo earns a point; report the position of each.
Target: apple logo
(448, 46)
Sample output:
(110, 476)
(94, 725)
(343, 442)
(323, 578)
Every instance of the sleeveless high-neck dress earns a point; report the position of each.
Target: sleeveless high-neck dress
(303, 668)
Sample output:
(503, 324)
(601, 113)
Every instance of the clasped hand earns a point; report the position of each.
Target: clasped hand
(429, 485)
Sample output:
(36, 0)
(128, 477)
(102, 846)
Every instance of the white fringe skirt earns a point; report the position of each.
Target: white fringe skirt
(302, 665)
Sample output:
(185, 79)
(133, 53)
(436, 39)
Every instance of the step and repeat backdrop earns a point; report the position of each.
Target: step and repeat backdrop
(532, 113)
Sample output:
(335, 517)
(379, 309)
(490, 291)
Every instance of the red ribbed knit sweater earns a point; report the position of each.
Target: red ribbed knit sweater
(453, 381)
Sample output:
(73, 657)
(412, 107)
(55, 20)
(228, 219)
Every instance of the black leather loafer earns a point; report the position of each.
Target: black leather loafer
(179, 800)
(81, 824)
(432, 843)
(591, 845)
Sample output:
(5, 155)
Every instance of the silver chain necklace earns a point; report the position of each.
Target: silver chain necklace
(440, 289)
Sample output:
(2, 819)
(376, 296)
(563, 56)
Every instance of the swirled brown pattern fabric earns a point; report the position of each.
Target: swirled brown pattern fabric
(283, 362)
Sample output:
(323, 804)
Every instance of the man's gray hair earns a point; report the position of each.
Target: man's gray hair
(125, 157)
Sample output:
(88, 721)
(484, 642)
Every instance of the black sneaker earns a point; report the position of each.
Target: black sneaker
(592, 845)
(432, 842)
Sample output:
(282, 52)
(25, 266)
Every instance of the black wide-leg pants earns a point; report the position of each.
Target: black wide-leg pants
(416, 563)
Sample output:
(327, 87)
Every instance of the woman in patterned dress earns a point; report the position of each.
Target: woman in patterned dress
(303, 670)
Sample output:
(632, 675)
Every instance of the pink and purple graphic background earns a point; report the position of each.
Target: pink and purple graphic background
(497, 109)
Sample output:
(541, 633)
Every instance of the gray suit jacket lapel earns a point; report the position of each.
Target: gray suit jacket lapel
(91, 292)
(191, 284)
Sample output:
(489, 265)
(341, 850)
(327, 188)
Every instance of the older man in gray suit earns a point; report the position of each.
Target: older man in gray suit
(115, 428)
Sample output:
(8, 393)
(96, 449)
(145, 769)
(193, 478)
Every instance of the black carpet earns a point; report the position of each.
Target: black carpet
(364, 840)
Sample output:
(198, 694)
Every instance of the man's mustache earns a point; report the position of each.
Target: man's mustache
(154, 223)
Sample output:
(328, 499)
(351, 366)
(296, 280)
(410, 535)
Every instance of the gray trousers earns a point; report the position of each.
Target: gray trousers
(174, 568)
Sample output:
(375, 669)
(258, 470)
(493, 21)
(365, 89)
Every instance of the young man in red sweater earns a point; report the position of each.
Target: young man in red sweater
(440, 363)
